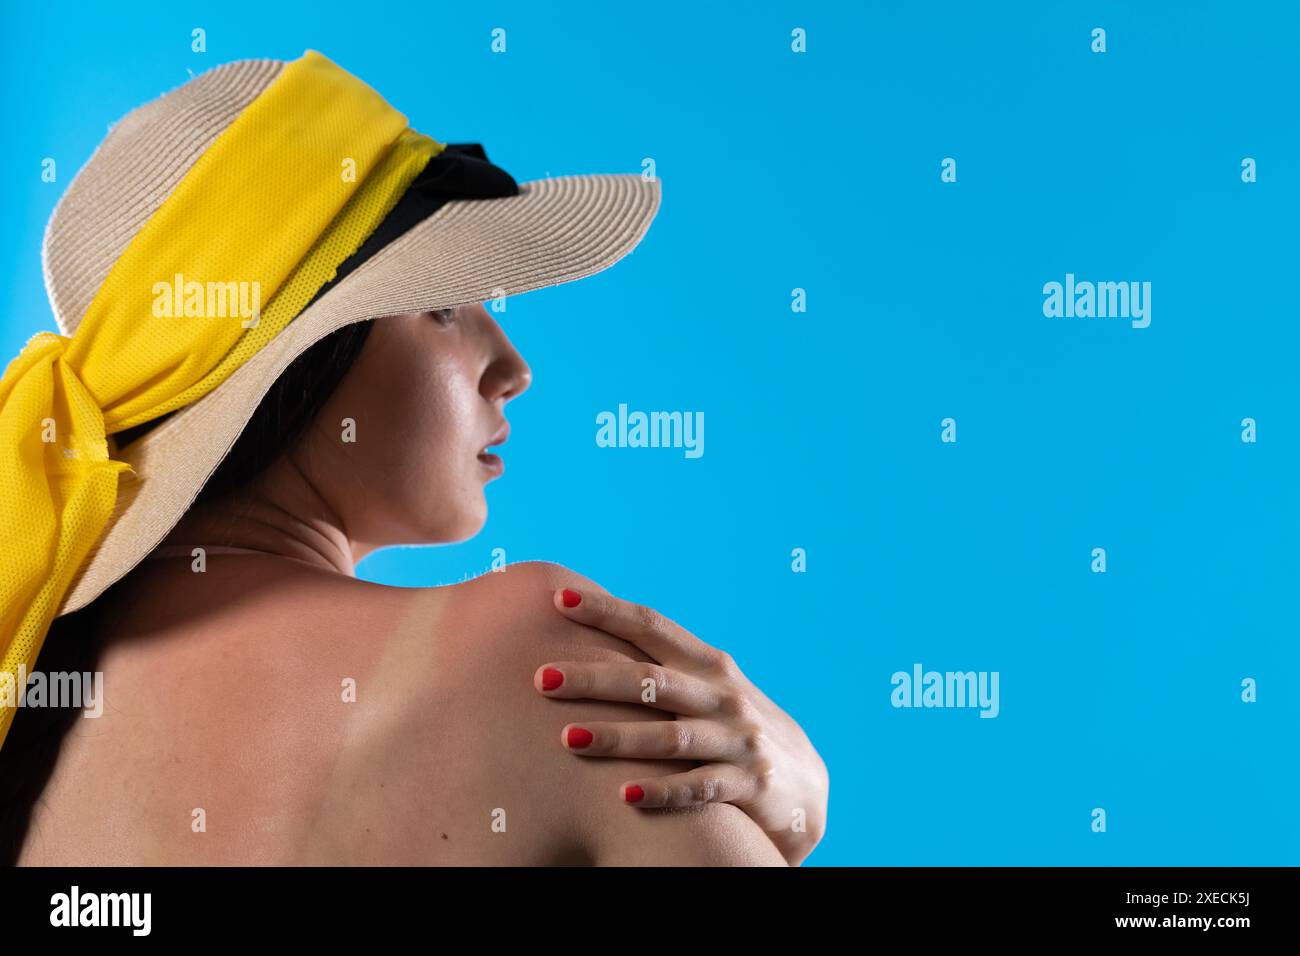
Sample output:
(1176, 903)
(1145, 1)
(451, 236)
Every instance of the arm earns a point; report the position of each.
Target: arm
(715, 834)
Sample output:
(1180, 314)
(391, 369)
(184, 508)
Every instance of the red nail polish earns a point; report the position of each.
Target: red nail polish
(633, 794)
(570, 598)
(551, 678)
(579, 738)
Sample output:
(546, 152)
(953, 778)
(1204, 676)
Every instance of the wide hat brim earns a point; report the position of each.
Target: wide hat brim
(553, 231)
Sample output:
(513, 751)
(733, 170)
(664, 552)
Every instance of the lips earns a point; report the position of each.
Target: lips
(500, 437)
(493, 462)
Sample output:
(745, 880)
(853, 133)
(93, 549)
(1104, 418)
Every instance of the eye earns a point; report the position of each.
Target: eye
(443, 316)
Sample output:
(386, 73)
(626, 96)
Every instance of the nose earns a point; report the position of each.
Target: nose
(507, 374)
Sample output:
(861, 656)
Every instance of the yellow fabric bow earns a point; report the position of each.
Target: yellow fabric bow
(266, 214)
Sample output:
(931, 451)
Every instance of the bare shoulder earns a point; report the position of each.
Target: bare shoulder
(514, 610)
(573, 805)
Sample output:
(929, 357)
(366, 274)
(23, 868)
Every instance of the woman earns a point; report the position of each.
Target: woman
(261, 704)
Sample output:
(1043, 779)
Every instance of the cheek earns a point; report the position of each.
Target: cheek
(425, 436)
(410, 398)
(440, 416)
(431, 435)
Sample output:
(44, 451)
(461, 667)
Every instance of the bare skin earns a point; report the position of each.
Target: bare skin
(306, 717)
(231, 701)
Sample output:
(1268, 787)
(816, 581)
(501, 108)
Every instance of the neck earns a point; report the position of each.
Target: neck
(280, 513)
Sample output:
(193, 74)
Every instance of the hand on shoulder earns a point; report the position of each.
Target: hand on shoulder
(579, 800)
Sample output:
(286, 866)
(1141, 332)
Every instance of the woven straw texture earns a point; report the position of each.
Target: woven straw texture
(554, 231)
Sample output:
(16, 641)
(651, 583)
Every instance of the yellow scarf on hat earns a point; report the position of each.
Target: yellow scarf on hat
(266, 214)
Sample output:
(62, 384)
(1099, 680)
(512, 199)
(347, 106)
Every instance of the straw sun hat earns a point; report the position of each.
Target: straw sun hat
(259, 183)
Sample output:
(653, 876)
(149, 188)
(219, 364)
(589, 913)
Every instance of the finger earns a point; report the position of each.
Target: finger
(656, 740)
(633, 682)
(664, 640)
(715, 783)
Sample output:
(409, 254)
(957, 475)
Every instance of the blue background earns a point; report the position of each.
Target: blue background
(1118, 690)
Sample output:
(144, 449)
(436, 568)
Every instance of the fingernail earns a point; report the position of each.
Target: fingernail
(633, 794)
(551, 678)
(579, 738)
(570, 598)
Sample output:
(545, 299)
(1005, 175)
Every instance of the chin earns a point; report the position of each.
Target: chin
(466, 523)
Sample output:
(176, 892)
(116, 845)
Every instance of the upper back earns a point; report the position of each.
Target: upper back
(269, 712)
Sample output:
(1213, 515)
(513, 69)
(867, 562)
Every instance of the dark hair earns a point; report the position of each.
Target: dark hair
(293, 401)
(72, 644)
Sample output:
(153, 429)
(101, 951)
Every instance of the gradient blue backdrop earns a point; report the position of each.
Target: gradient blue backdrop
(821, 171)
